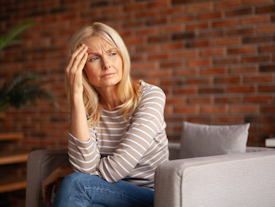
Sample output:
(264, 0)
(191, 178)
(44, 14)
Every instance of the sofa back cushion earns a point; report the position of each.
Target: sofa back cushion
(199, 140)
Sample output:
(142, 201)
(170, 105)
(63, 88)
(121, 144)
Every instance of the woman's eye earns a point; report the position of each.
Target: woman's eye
(94, 58)
(113, 53)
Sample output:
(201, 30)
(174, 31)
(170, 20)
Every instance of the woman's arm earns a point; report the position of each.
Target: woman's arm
(80, 138)
(78, 123)
(54, 179)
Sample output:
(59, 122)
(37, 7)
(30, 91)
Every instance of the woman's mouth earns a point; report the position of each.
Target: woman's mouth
(107, 75)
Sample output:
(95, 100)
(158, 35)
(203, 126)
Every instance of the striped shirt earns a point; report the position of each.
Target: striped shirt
(130, 150)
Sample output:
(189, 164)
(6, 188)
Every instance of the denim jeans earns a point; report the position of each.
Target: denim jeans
(79, 189)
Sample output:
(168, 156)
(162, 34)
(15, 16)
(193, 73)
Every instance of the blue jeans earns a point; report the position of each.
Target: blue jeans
(84, 190)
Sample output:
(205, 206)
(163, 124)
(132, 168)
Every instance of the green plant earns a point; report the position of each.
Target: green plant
(22, 87)
(10, 37)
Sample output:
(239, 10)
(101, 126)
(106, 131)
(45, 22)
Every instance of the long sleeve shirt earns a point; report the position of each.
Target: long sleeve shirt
(130, 150)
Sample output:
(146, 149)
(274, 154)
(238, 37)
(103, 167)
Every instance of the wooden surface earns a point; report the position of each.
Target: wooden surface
(11, 183)
(11, 136)
(10, 158)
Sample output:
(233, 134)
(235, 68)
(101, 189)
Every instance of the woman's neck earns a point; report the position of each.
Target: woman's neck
(109, 99)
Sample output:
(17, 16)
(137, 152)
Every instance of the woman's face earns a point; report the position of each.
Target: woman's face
(104, 65)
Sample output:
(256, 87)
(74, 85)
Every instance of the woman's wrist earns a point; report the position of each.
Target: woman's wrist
(63, 171)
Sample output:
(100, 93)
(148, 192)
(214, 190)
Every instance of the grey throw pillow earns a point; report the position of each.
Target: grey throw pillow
(199, 140)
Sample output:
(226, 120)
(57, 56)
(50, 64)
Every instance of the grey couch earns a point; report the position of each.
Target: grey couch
(239, 180)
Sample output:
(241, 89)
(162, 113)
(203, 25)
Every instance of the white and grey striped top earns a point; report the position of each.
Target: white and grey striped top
(129, 150)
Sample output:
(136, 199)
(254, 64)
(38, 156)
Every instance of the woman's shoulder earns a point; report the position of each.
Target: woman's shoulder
(147, 89)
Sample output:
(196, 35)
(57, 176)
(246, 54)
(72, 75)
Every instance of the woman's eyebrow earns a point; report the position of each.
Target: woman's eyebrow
(95, 53)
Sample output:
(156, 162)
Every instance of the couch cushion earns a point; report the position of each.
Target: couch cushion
(199, 140)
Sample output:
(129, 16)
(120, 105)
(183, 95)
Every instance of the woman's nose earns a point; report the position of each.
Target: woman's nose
(106, 64)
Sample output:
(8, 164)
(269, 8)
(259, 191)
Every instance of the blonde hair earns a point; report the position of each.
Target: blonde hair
(128, 90)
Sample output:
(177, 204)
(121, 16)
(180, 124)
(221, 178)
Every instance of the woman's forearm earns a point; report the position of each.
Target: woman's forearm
(78, 123)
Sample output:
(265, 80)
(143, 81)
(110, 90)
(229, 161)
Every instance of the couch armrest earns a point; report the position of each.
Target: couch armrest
(41, 163)
(246, 179)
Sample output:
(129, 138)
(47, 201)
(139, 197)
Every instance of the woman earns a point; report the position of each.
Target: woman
(117, 132)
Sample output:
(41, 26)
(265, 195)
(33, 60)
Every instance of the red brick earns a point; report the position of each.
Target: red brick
(198, 81)
(247, 109)
(210, 15)
(168, 109)
(158, 56)
(165, 73)
(204, 43)
(170, 64)
(266, 88)
(257, 39)
(214, 33)
(259, 99)
(267, 68)
(175, 101)
(186, 72)
(227, 80)
(172, 11)
(199, 119)
(183, 18)
(241, 89)
(158, 38)
(227, 41)
(256, 1)
(229, 99)
(145, 66)
(260, 119)
(146, 31)
(229, 119)
(266, 28)
(158, 4)
(217, 109)
(112, 10)
(265, 9)
(212, 52)
(267, 48)
(187, 109)
(258, 79)
(172, 46)
(226, 4)
(146, 14)
(134, 7)
(268, 129)
(185, 54)
(215, 90)
(198, 62)
(239, 11)
(242, 50)
(255, 19)
(213, 71)
(199, 100)
(147, 48)
(169, 29)
(256, 59)
(172, 82)
(199, 7)
(133, 40)
(226, 23)
(196, 26)
(242, 69)
(185, 91)
(241, 31)
(268, 109)
(133, 24)
(157, 21)
(123, 16)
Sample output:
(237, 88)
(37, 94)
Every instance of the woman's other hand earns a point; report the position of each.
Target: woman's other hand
(74, 70)
(54, 180)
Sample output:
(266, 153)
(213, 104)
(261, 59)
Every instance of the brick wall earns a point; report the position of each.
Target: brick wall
(213, 58)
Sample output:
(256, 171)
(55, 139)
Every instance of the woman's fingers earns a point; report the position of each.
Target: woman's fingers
(72, 57)
(78, 58)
